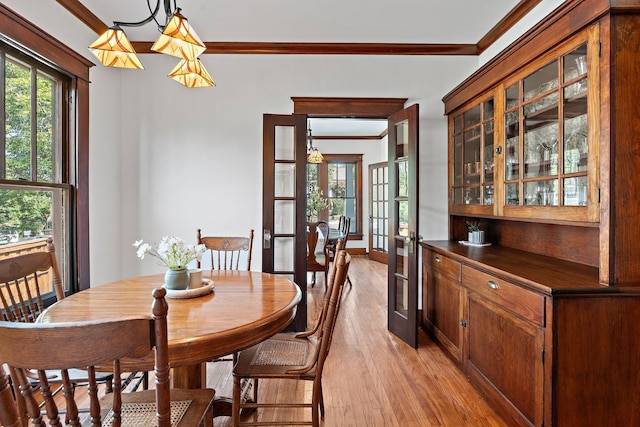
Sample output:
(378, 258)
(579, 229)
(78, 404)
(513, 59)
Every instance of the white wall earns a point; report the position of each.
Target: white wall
(168, 160)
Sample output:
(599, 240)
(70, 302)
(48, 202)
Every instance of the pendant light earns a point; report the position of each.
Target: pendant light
(178, 39)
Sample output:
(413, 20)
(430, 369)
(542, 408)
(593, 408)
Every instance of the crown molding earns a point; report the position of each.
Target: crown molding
(82, 13)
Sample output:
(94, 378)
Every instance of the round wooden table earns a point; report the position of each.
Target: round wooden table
(244, 309)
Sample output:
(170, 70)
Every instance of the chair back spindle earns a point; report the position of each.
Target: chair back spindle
(227, 252)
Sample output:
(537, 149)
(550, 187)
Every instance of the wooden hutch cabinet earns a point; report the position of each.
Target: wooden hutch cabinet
(544, 154)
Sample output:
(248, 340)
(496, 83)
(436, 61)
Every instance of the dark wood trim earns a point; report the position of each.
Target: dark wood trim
(14, 28)
(82, 184)
(81, 12)
(348, 137)
(87, 17)
(366, 108)
(317, 48)
(510, 19)
(33, 41)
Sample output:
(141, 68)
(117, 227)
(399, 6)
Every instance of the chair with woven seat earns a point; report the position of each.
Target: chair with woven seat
(40, 347)
(317, 253)
(226, 252)
(24, 279)
(292, 357)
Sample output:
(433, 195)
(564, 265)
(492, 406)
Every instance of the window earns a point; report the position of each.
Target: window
(44, 110)
(33, 189)
(340, 179)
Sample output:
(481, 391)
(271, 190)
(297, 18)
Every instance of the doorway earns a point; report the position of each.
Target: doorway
(404, 278)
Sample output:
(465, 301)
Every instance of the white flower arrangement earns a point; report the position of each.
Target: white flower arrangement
(171, 252)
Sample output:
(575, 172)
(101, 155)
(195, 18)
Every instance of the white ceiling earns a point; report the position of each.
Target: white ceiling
(364, 21)
(375, 21)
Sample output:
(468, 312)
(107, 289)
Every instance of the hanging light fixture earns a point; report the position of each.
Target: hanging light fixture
(314, 156)
(178, 39)
(191, 73)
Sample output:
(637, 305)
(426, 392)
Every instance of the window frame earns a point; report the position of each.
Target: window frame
(323, 178)
(29, 40)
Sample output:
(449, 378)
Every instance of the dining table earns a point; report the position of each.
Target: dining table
(243, 309)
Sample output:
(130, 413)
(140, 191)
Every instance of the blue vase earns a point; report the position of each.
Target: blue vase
(177, 279)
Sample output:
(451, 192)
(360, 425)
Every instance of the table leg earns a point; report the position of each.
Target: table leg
(193, 376)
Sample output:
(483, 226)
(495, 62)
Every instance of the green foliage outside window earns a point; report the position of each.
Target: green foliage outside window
(27, 212)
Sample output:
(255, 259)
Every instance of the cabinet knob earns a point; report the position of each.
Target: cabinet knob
(437, 259)
(499, 149)
(493, 285)
(463, 323)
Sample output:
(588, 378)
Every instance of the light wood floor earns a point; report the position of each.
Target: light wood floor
(372, 378)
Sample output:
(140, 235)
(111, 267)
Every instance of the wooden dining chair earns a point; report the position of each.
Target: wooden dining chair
(24, 281)
(296, 358)
(46, 346)
(317, 253)
(344, 227)
(226, 252)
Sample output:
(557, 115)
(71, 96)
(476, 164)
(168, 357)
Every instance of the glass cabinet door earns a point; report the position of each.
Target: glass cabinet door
(545, 150)
(473, 161)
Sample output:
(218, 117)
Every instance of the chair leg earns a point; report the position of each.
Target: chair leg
(235, 410)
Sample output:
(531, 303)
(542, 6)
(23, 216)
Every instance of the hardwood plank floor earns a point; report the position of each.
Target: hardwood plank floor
(371, 377)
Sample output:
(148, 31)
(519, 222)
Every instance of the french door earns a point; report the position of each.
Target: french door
(284, 202)
(403, 225)
(379, 212)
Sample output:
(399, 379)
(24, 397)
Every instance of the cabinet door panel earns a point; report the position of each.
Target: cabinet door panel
(506, 352)
(442, 305)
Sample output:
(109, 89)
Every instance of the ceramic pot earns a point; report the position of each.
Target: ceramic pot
(176, 279)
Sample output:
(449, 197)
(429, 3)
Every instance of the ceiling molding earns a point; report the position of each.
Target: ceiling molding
(310, 48)
(82, 13)
(348, 107)
(87, 17)
(347, 137)
(510, 19)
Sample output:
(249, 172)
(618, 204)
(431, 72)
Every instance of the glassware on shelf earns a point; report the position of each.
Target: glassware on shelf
(541, 193)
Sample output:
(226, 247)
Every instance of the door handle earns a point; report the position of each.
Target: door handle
(266, 239)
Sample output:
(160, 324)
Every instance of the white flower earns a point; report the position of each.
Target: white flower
(171, 252)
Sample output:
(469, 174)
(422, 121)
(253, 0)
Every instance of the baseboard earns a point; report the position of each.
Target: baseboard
(357, 251)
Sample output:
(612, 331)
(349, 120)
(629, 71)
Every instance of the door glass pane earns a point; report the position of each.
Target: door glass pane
(285, 143)
(575, 147)
(541, 193)
(575, 191)
(542, 81)
(402, 143)
(284, 180)
(403, 218)
(472, 196)
(541, 145)
(403, 172)
(457, 124)
(457, 160)
(283, 254)
(511, 194)
(575, 63)
(511, 93)
(284, 216)
(488, 195)
(488, 153)
(402, 297)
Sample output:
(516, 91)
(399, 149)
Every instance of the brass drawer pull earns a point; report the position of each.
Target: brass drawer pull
(493, 285)
(437, 259)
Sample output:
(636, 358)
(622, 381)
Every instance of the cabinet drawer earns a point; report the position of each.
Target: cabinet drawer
(443, 265)
(521, 301)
